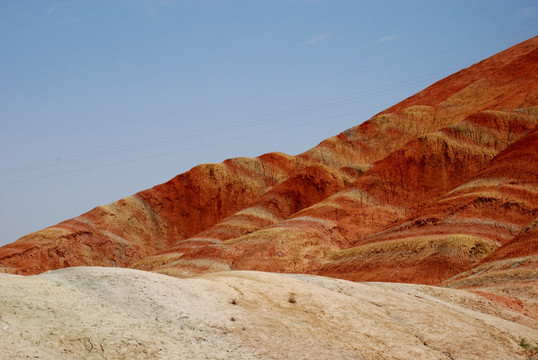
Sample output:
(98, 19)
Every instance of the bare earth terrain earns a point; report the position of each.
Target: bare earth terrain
(430, 206)
(113, 313)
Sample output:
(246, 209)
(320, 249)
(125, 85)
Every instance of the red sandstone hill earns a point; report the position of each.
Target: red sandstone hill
(441, 188)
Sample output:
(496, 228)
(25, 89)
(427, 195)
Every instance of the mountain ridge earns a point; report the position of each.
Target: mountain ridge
(377, 195)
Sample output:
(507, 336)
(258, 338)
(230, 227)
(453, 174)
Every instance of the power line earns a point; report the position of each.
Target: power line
(252, 122)
(191, 147)
(467, 42)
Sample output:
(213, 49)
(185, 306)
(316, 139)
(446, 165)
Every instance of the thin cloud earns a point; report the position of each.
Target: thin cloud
(64, 12)
(316, 39)
(527, 12)
(55, 8)
(385, 39)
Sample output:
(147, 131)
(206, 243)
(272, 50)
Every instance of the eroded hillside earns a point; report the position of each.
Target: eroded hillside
(426, 191)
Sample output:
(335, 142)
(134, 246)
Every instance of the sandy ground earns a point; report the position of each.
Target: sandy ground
(114, 313)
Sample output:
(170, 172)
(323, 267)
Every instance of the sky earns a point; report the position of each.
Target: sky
(102, 99)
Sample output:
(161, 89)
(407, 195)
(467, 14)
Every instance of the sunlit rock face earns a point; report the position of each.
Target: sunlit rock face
(426, 191)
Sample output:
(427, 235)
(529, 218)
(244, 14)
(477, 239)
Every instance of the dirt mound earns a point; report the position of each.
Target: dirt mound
(357, 184)
(112, 313)
(437, 189)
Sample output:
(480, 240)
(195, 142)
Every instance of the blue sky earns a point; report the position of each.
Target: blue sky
(101, 99)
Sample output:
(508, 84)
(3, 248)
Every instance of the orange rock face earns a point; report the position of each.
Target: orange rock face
(509, 275)
(450, 235)
(440, 189)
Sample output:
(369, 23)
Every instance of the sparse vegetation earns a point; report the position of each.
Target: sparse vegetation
(292, 299)
(529, 349)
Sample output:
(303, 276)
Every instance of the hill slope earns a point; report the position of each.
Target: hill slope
(112, 313)
(420, 193)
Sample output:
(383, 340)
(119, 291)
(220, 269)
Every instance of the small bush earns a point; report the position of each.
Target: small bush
(292, 299)
(524, 344)
(529, 349)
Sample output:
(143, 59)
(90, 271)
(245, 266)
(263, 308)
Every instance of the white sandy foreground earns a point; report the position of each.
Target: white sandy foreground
(113, 313)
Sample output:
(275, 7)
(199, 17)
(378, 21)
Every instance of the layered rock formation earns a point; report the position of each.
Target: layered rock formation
(453, 233)
(424, 192)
